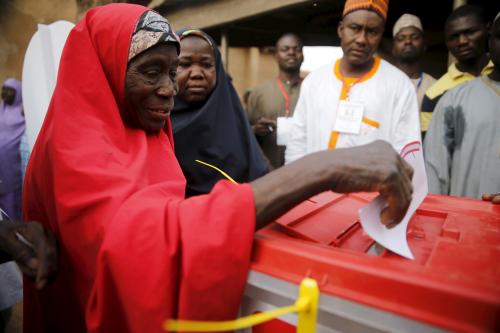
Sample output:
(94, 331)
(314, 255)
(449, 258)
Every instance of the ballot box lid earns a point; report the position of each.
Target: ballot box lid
(454, 281)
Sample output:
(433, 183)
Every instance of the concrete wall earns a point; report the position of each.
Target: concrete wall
(19, 18)
(250, 66)
(18, 23)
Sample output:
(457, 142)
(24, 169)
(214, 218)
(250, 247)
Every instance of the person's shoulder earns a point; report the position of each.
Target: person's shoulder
(263, 86)
(394, 75)
(387, 67)
(320, 73)
(435, 91)
(261, 89)
(428, 80)
(457, 94)
(440, 86)
(464, 89)
(428, 77)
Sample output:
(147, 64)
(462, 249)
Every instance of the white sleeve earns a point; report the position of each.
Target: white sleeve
(297, 142)
(407, 121)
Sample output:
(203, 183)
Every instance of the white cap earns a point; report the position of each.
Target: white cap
(405, 21)
(496, 18)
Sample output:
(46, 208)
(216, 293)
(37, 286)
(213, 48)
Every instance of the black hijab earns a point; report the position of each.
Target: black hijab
(217, 132)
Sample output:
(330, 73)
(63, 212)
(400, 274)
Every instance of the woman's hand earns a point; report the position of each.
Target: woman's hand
(33, 248)
(375, 167)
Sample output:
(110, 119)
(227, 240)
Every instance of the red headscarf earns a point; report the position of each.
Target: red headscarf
(133, 251)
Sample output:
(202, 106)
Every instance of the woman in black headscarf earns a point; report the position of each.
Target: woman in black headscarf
(209, 123)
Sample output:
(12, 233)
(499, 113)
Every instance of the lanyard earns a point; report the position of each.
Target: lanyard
(285, 96)
(420, 81)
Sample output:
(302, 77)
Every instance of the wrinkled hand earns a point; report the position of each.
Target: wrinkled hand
(494, 198)
(376, 167)
(39, 261)
(264, 126)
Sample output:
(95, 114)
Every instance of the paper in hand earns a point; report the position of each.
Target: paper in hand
(395, 239)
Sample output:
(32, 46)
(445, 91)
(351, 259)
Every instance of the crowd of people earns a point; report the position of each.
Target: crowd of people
(367, 98)
(126, 179)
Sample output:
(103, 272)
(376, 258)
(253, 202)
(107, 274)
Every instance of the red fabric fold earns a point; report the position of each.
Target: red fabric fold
(134, 252)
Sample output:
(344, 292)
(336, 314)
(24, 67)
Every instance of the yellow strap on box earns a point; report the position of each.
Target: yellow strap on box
(306, 306)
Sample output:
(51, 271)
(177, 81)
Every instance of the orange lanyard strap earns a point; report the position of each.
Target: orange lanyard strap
(285, 96)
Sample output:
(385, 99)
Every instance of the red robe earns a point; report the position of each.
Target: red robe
(133, 251)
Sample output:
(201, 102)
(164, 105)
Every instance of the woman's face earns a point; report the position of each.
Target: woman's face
(150, 87)
(196, 73)
(8, 95)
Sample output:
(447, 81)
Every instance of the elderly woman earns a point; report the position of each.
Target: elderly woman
(104, 178)
(12, 127)
(208, 121)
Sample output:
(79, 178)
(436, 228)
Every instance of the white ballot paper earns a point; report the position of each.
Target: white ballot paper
(395, 239)
(283, 126)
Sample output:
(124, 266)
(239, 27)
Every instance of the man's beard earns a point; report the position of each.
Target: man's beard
(290, 69)
(410, 58)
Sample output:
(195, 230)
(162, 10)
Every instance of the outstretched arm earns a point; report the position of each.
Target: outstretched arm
(375, 167)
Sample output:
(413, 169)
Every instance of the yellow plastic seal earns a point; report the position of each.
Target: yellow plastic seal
(306, 306)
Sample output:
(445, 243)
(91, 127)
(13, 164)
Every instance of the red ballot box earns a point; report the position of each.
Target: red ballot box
(452, 285)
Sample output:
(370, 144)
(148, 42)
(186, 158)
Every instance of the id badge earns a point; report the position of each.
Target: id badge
(284, 125)
(349, 117)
